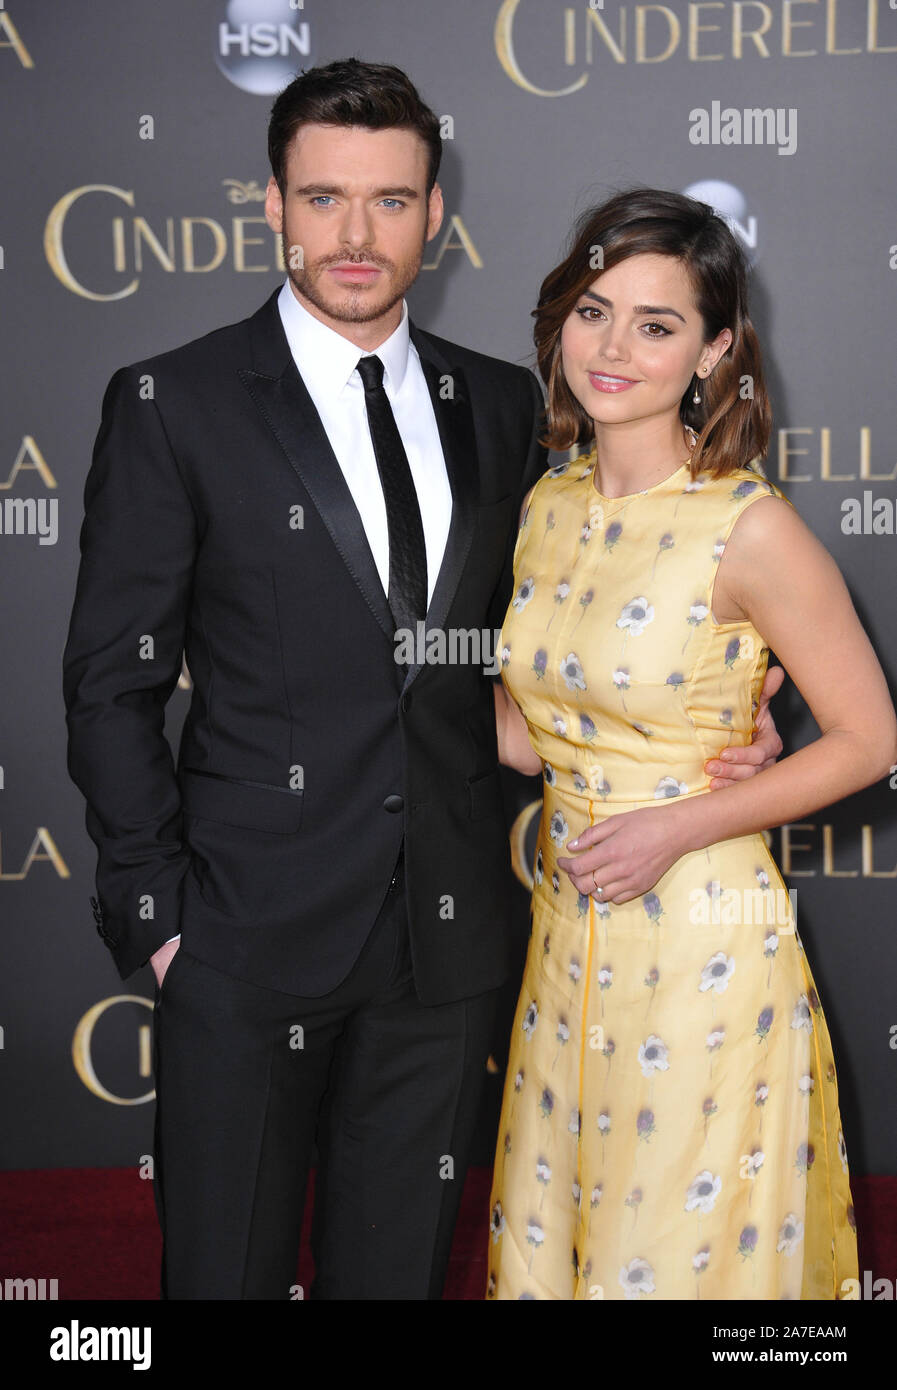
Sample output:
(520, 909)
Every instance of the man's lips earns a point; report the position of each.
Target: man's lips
(362, 274)
(603, 381)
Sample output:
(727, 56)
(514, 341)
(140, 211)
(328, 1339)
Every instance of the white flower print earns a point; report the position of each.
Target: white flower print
(700, 1261)
(791, 1234)
(497, 1222)
(530, 1019)
(571, 670)
(703, 1192)
(558, 829)
(560, 727)
(696, 615)
(549, 774)
(596, 511)
(716, 1039)
(693, 485)
(754, 1162)
(801, 1017)
(806, 1085)
(653, 1055)
(842, 1150)
(669, 786)
(717, 973)
(635, 616)
(534, 1237)
(637, 1278)
(524, 594)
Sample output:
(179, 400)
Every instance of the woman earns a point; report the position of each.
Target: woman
(670, 1125)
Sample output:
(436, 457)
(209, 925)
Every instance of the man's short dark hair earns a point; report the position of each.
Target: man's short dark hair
(376, 96)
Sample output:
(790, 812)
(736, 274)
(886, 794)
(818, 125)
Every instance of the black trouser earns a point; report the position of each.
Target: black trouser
(386, 1086)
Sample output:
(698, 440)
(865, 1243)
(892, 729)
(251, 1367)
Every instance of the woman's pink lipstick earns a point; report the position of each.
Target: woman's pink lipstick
(612, 384)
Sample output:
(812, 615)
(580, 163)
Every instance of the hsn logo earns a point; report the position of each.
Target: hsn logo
(261, 44)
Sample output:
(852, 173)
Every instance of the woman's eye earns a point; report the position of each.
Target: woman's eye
(586, 310)
(663, 330)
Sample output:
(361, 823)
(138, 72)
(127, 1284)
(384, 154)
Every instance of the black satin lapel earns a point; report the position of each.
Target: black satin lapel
(451, 405)
(290, 414)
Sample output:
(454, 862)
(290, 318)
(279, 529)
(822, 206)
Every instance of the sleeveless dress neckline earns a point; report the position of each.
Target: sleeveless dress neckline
(589, 473)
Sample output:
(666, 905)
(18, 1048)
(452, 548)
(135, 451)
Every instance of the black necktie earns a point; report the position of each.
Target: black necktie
(407, 594)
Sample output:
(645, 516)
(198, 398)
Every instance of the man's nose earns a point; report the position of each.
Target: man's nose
(357, 227)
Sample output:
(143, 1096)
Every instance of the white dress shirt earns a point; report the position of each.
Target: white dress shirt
(327, 364)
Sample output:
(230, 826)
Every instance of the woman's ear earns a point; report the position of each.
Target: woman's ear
(714, 351)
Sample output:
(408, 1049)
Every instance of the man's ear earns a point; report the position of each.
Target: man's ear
(435, 211)
(273, 206)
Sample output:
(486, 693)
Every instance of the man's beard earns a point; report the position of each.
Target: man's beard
(361, 306)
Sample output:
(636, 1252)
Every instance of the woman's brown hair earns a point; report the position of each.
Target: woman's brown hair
(732, 421)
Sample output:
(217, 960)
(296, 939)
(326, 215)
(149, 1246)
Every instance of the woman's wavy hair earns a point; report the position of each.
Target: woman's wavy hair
(732, 421)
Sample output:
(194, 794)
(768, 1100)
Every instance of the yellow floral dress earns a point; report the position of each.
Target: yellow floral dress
(670, 1125)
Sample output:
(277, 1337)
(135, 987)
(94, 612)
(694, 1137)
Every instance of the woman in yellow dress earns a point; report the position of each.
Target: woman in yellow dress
(670, 1125)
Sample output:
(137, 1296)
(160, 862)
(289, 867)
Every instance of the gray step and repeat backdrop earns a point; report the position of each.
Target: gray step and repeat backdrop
(132, 221)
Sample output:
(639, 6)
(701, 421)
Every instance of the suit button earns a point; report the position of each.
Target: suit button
(393, 803)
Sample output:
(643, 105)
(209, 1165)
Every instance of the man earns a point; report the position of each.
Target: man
(321, 882)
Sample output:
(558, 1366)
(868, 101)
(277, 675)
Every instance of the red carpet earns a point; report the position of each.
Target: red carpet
(95, 1230)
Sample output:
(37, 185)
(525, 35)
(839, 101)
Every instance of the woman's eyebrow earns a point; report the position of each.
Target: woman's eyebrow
(636, 308)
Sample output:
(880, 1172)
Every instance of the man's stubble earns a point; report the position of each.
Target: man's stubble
(360, 307)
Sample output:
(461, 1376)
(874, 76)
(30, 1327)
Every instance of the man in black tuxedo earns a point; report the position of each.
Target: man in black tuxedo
(321, 882)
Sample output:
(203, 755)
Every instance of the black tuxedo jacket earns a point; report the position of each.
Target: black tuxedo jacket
(218, 524)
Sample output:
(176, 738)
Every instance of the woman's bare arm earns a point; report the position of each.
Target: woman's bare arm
(514, 747)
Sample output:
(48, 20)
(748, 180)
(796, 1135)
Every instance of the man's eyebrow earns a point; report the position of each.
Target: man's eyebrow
(334, 190)
(636, 308)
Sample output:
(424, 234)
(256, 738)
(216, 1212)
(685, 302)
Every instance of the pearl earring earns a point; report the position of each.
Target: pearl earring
(696, 397)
